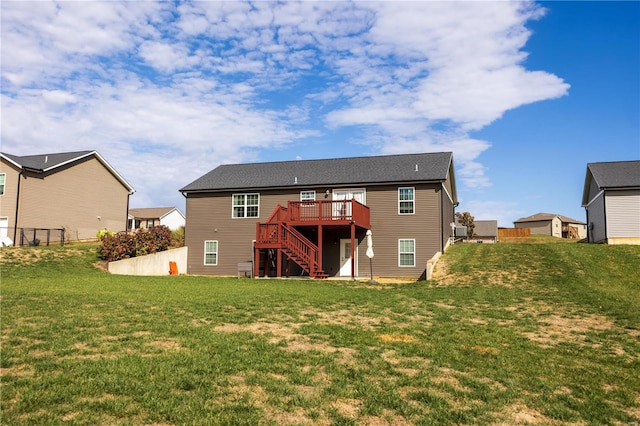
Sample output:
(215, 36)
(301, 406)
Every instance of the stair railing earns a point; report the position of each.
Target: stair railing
(301, 247)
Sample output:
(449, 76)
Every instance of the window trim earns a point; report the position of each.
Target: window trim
(308, 199)
(412, 201)
(245, 205)
(4, 183)
(204, 260)
(400, 253)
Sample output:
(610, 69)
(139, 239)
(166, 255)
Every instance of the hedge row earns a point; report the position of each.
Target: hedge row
(124, 245)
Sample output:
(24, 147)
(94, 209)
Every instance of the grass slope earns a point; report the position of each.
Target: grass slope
(541, 333)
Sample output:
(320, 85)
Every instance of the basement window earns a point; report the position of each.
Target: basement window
(211, 252)
(407, 252)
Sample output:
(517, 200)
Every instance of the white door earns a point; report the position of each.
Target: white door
(344, 210)
(345, 258)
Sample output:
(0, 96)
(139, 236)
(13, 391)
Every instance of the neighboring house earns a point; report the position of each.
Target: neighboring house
(310, 217)
(485, 231)
(75, 191)
(146, 218)
(611, 198)
(554, 225)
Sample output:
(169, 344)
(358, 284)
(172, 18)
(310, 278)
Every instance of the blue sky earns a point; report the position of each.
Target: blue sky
(525, 94)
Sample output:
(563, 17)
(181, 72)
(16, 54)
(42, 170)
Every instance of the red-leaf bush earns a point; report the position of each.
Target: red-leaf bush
(124, 245)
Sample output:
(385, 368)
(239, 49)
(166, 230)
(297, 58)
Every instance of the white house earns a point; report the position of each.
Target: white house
(146, 218)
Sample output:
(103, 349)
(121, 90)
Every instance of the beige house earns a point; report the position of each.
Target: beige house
(67, 195)
(485, 231)
(145, 218)
(611, 197)
(554, 225)
(311, 217)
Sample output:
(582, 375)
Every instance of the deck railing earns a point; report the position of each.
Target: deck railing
(327, 211)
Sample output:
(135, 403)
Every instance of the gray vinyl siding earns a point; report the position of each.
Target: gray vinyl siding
(81, 197)
(623, 213)
(448, 216)
(596, 219)
(594, 189)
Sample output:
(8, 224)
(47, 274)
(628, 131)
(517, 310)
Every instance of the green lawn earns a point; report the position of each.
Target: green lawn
(545, 334)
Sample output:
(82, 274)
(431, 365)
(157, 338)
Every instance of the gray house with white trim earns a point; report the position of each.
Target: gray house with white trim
(611, 197)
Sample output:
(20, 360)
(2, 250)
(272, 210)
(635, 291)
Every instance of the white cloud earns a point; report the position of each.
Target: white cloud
(166, 92)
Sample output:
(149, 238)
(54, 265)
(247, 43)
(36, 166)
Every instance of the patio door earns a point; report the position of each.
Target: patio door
(344, 210)
(345, 258)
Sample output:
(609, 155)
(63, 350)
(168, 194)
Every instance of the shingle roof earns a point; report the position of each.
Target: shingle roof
(611, 175)
(151, 212)
(619, 174)
(432, 167)
(539, 217)
(45, 162)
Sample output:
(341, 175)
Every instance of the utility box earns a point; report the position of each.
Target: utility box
(461, 231)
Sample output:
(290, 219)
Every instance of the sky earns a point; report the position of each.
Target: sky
(524, 94)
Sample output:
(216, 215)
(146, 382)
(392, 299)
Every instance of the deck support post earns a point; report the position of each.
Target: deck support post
(279, 263)
(256, 262)
(320, 248)
(353, 250)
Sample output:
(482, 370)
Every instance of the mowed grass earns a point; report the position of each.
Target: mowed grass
(545, 334)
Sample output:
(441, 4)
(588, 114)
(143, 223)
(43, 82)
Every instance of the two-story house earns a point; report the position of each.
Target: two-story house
(78, 192)
(310, 217)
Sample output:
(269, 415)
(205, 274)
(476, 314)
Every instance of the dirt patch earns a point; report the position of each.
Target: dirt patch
(165, 345)
(343, 317)
(393, 338)
(21, 370)
(29, 255)
(520, 414)
(348, 407)
(555, 328)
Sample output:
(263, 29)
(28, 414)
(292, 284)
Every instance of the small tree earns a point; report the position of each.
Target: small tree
(465, 219)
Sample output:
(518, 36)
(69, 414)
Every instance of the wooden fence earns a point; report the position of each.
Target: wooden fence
(513, 232)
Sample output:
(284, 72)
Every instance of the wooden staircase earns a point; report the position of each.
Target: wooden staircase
(277, 234)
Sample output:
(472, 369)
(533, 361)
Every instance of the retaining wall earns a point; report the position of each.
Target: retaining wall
(151, 264)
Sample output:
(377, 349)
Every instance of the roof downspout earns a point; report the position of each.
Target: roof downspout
(15, 220)
(126, 218)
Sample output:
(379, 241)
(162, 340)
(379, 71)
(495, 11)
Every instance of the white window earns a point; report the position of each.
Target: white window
(407, 252)
(307, 195)
(211, 252)
(406, 200)
(3, 178)
(246, 205)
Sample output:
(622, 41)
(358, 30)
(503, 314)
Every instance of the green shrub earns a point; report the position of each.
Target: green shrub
(124, 245)
(177, 237)
(104, 232)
